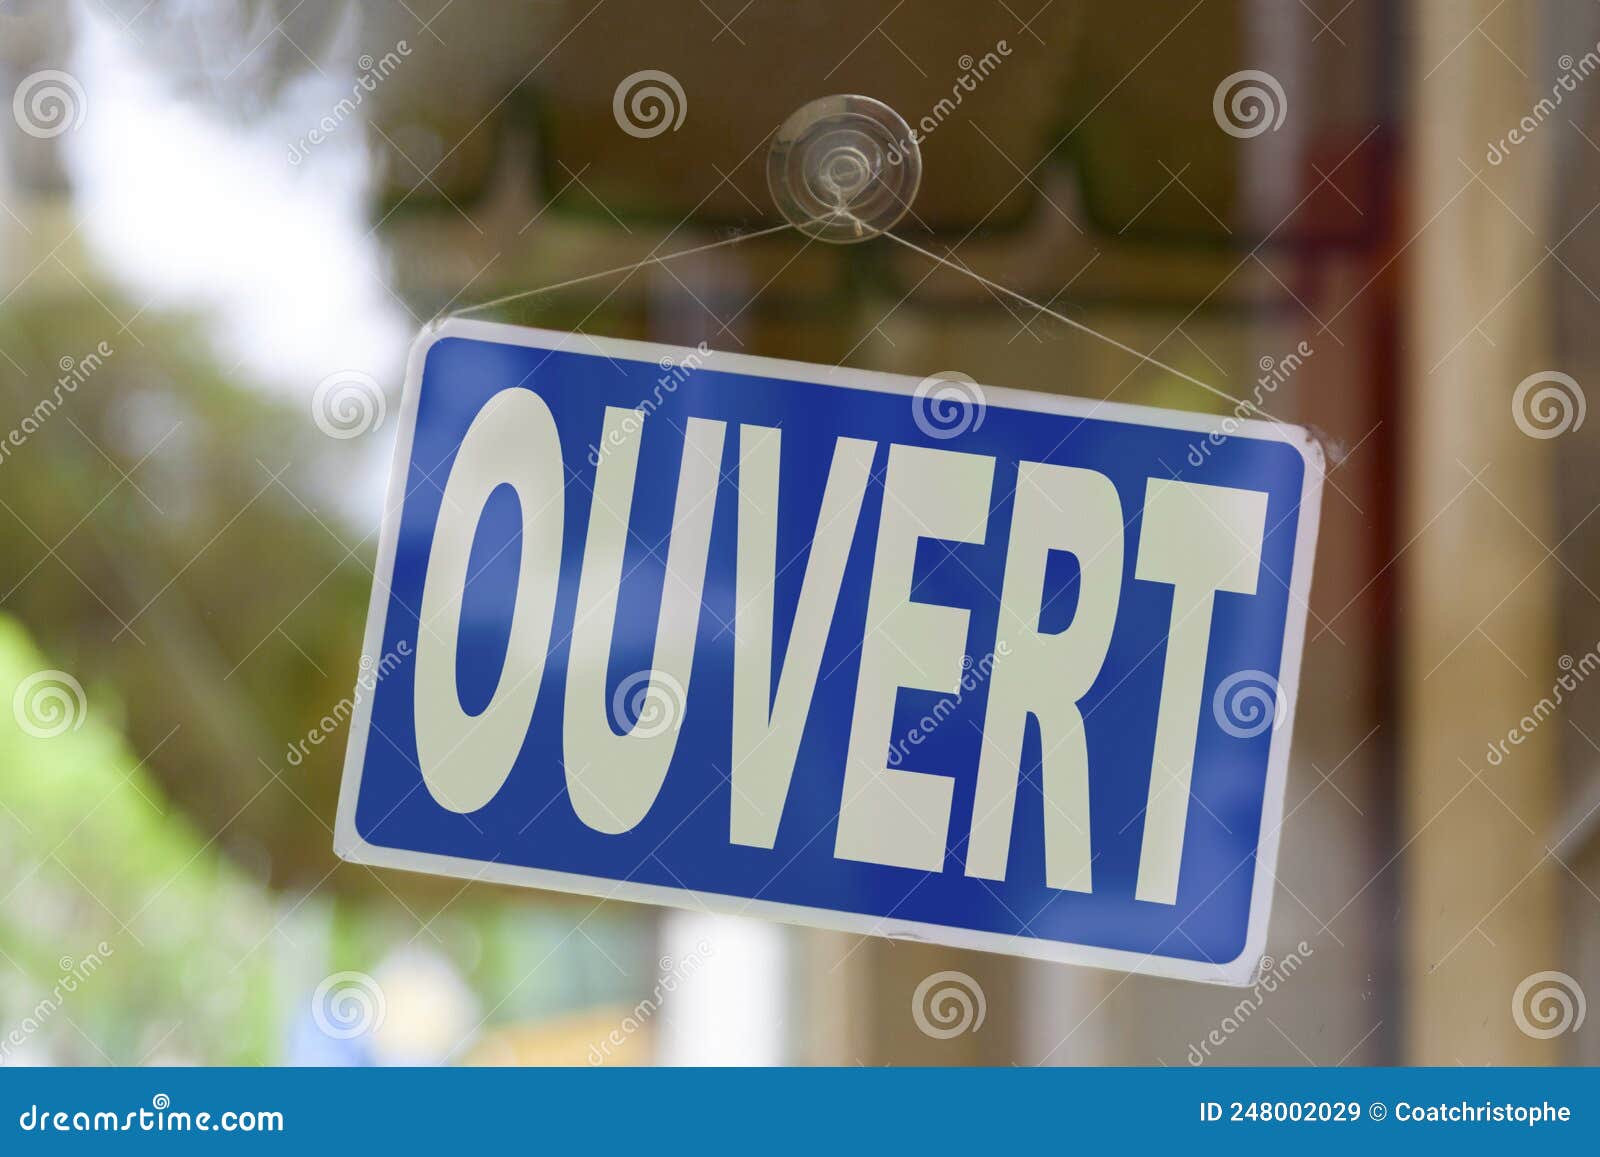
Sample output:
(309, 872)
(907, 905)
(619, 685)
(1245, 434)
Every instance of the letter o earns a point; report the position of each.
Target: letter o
(513, 441)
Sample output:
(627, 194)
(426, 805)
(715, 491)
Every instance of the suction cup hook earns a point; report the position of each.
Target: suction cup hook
(844, 168)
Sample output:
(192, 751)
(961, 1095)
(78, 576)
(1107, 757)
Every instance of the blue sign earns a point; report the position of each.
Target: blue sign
(932, 660)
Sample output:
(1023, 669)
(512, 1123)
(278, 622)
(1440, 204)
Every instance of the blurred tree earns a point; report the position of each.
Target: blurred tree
(119, 921)
(167, 532)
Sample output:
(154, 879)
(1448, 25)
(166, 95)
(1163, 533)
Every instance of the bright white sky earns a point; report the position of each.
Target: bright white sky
(196, 214)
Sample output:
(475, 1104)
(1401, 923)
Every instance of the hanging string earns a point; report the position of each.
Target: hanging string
(664, 258)
(1075, 324)
(654, 259)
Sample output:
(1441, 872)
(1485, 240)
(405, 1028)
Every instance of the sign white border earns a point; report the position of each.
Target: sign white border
(349, 845)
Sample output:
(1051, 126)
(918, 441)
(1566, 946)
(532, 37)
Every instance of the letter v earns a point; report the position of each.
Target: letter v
(767, 728)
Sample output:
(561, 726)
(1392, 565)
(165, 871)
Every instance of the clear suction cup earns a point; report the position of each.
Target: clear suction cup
(844, 168)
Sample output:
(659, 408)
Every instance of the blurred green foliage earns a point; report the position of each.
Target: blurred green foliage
(174, 540)
(166, 531)
(119, 920)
